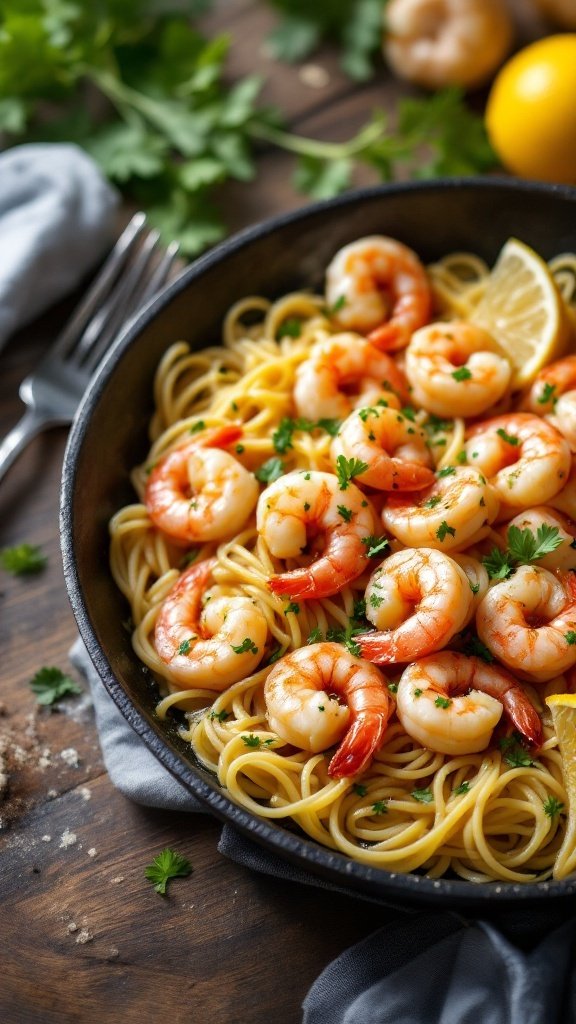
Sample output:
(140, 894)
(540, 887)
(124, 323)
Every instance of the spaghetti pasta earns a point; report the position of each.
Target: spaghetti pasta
(481, 816)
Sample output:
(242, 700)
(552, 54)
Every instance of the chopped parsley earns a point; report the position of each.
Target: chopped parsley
(443, 530)
(291, 328)
(508, 438)
(251, 740)
(570, 637)
(462, 373)
(282, 437)
(514, 753)
(553, 806)
(473, 646)
(246, 646)
(23, 559)
(346, 513)
(432, 502)
(184, 647)
(270, 471)
(315, 636)
(523, 548)
(375, 545)
(346, 637)
(275, 655)
(337, 306)
(393, 687)
(50, 684)
(165, 866)
(347, 469)
(218, 716)
(359, 789)
(547, 394)
(442, 702)
(423, 796)
(380, 807)
(464, 787)
(196, 427)
(292, 607)
(447, 471)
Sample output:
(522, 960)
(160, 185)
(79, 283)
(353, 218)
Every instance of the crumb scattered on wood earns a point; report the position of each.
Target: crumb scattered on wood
(67, 838)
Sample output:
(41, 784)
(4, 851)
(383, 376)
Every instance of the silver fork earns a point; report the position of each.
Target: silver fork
(131, 275)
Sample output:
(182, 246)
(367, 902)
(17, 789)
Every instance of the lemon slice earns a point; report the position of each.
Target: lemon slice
(523, 311)
(563, 709)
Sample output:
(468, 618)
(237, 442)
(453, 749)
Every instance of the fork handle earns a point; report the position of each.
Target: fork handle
(32, 423)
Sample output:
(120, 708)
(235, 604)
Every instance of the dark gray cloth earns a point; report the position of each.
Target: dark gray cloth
(57, 219)
(434, 968)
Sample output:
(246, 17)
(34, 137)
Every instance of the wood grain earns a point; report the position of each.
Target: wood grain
(84, 936)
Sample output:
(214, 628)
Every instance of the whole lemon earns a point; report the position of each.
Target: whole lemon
(531, 111)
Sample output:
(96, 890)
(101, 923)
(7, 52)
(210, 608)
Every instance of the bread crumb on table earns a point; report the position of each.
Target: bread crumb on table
(67, 838)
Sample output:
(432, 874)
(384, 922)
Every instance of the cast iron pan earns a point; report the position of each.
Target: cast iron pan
(109, 437)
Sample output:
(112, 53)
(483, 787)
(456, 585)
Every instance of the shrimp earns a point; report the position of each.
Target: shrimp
(390, 446)
(526, 460)
(438, 43)
(302, 505)
(451, 703)
(444, 516)
(346, 372)
(214, 646)
(198, 492)
(563, 558)
(417, 599)
(553, 395)
(529, 623)
(454, 369)
(303, 695)
(379, 287)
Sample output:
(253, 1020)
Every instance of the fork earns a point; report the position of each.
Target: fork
(131, 275)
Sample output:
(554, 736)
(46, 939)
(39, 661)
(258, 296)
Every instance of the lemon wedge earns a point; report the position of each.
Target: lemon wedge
(523, 311)
(563, 710)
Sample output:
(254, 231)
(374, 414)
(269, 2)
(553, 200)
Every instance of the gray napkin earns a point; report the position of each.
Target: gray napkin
(57, 216)
(432, 968)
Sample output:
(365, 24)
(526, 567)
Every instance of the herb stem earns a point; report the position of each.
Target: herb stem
(301, 146)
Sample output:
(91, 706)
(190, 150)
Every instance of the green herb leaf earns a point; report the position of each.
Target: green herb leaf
(360, 789)
(525, 547)
(23, 559)
(168, 864)
(553, 806)
(291, 328)
(514, 753)
(246, 646)
(424, 796)
(251, 740)
(498, 564)
(347, 469)
(462, 373)
(50, 684)
(443, 530)
(270, 471)
(375, 545)
(508, 438)
(464, 787)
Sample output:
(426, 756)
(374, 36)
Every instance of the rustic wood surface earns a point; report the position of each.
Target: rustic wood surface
(84, 936)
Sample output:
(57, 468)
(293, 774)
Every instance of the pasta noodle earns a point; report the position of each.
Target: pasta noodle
(479, 816)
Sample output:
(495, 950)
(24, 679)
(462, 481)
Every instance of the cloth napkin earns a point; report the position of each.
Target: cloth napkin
(56, 219)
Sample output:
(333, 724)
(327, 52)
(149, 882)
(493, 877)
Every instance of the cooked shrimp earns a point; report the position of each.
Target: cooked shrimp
(392, 448)
(198, 492)
(451, 703)
(529, 623)
(563, 558)
(478, 579)
(439, 43)
(417, 599)
(553, 395)
(303, 695)
(302, 506)
(210, 647)
(526, 460)
(346, 372)
(379, 287)
(444, 516)
(454, 369)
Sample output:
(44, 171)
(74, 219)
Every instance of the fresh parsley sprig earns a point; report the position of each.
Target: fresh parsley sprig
(168, 864)
(50, 685)
(23, 559)
(523, 548)
(172, 131)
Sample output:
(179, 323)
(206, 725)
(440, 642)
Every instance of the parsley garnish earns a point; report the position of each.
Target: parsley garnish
(473, 646)
(219, 716)
(270, 471)
(346, 469)
(165, 866)
(424, 796)
(360, 789)
(247, 645)
(508, 438)
(346, 513)
(443, 530)
(375, 545)
(462, 373)
(447, 471)
(23, 559)
(292, 607)
(514, 753)
(184, 647)
(50, 685)
(346, 637)
(432, 502)
(337, 306)
(553, 806)
(254, 741)
(442, 702)
(380, 807)
(464, 787)
(523, 548)
(275, 655)
(291, 328)
(315, 636)
(393, 687)
(547, 394)
(570, 637)
(196, 427)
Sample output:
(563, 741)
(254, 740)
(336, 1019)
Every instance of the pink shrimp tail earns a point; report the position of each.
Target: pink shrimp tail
(363, 739)
(318, 580)
(402, 476)
(524, 718)
(389, 337)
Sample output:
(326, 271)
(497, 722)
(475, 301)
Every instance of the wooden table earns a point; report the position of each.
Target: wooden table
(84, 936)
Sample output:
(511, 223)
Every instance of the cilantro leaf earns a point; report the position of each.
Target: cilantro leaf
(168, 864)
(23, 559)
(50, 684)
